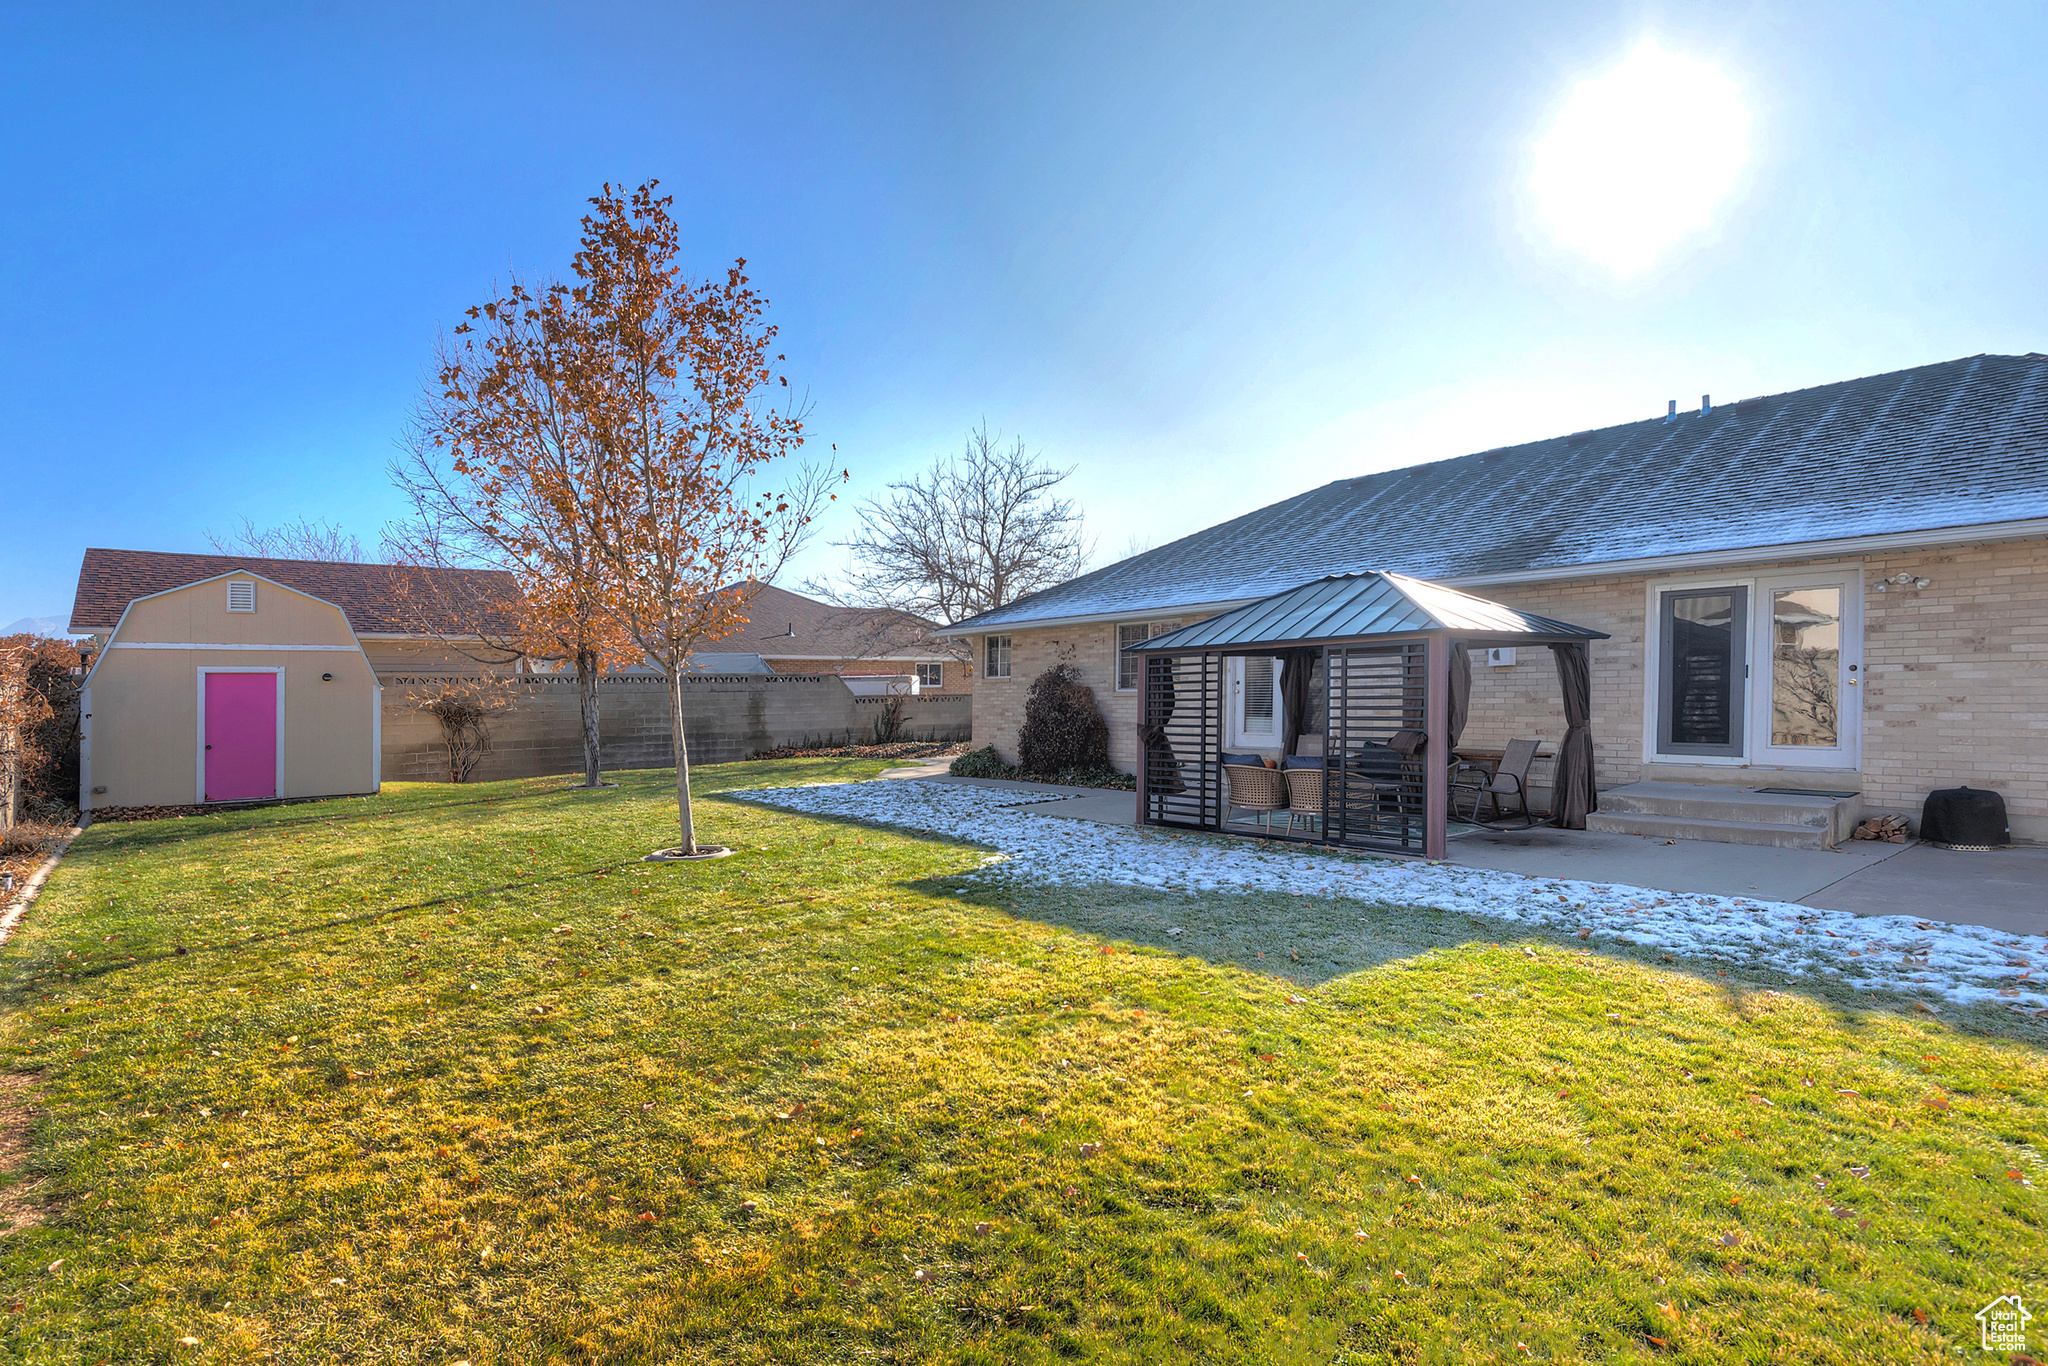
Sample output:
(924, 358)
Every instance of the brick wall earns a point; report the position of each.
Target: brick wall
(1955, 679)
(1958, 679)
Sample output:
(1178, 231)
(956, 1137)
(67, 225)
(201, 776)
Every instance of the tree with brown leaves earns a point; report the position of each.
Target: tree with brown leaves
(500, 469)
(692, 487)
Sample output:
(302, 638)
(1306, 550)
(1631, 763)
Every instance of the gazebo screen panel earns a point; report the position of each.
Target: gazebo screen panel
(1184, 717)
(1372, 798)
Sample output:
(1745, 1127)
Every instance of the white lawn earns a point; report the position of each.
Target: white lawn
(1929, 960)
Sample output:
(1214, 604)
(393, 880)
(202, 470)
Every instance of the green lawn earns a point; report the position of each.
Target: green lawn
(447, 1075)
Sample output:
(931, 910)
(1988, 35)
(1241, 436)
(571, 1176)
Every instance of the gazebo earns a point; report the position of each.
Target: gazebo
(1383, 663)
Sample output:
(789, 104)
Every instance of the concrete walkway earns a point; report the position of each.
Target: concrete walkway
(2006, 889)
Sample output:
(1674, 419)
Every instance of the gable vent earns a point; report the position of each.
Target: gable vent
(241, 595)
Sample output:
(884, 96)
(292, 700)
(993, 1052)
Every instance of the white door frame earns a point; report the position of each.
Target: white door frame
(1757, 751)
(1234, 716)
(199, 776)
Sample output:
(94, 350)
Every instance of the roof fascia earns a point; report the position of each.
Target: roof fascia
(1653, 564)
(1098, 618)
(1802, 550)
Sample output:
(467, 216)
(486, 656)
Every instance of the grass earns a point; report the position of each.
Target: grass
(446, 1075)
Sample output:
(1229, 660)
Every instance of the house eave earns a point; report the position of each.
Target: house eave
(1652, 565)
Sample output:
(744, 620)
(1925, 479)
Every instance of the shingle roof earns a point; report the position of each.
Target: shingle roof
(1356, 607)
(786, 625)
(374, 596)
(1960, 443)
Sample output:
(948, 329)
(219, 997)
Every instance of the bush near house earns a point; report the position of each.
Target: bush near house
(1063, 728)
(39, 680)
(448, 1075)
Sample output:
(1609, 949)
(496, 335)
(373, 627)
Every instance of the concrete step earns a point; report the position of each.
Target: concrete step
(1718, 803)
(1727, 815)
(1717, 832)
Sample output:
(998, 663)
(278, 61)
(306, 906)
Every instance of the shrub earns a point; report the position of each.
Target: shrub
(1062, 728)
(38, 729)
(981, 763)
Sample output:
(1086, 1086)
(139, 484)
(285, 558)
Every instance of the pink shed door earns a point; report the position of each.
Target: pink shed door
(241, 737)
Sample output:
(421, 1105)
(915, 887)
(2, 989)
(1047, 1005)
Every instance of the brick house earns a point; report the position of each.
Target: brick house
(800, 635)
(1842, 588)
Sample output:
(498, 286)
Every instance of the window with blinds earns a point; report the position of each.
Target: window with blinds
(1130, 669)
(997, 663)
(241, 595)
(1258, 695)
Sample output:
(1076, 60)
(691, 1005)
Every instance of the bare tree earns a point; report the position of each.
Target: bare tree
(973, 533)
(304, 539)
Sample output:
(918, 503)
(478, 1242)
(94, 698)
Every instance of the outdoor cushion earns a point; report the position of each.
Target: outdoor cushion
(1302, 761)
(1376, 761)
(1242, 760)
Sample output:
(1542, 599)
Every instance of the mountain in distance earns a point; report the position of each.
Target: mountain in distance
(39, 626)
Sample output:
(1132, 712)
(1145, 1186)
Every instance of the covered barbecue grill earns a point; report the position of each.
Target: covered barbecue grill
(1381, 664)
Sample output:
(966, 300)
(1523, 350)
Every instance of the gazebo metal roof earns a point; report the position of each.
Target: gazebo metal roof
(1359, 607)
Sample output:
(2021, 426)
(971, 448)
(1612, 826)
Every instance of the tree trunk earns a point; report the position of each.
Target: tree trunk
(586, 695)
(675, 713)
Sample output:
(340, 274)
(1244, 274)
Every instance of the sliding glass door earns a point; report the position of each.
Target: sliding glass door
(1766, 671)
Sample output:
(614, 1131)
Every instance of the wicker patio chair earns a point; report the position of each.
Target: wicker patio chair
(1260, 790)
(1304, 796)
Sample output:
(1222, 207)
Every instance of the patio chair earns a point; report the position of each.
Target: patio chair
(1304, 775)
(1510, 778)
(1253, 787)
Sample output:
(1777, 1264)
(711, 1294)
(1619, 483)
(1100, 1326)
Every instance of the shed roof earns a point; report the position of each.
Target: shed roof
(377, 598)
(1958, 444)
(1359, 607)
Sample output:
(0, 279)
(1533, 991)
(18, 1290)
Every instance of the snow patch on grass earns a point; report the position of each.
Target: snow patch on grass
(1932, 960)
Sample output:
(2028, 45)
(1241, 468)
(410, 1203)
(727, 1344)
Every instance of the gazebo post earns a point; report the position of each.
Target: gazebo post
(1436, 770)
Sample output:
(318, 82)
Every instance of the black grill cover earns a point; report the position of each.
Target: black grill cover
(1964, 815)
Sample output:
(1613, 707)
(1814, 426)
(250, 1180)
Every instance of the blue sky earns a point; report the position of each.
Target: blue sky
(1210, 256)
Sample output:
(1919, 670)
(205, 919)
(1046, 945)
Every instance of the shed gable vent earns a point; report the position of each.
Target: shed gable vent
(241, 595)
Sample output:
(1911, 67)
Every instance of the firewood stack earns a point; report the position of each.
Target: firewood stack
(1890, 829)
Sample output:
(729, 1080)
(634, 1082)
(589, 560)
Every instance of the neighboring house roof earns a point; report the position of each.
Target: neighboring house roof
(1359, 606)
(786, 625)
(1960, 444)
(375, 597)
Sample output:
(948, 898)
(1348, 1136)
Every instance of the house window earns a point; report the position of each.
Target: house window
(241, 595)
(1130, 668)
(931, 675)
(998, 665)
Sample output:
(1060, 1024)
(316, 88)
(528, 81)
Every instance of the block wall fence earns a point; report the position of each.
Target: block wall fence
(726, 717)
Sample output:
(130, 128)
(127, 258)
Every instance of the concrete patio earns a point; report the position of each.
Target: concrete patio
(2006, 889)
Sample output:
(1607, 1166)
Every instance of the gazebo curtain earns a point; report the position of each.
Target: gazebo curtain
(1297, 669)
(1575, 794)
(1460, 692)
(1162, 767)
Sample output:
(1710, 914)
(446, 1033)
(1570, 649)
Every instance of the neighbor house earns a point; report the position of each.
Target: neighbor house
(1839, 589)
(800, 635)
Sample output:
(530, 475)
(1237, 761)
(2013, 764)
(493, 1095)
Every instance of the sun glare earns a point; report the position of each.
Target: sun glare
(1639, 158)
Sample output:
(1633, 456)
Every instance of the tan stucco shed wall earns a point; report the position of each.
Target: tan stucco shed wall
(143, 708)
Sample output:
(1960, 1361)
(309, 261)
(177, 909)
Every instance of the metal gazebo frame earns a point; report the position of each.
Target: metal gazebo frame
(1393, 653)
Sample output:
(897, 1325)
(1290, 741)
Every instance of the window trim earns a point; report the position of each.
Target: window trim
(988, 656)
(938, 672)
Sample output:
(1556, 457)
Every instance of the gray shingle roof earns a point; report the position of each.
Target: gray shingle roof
(1960, 443)
(1358, 606)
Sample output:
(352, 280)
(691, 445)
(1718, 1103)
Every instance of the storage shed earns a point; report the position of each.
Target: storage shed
(231, 688)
